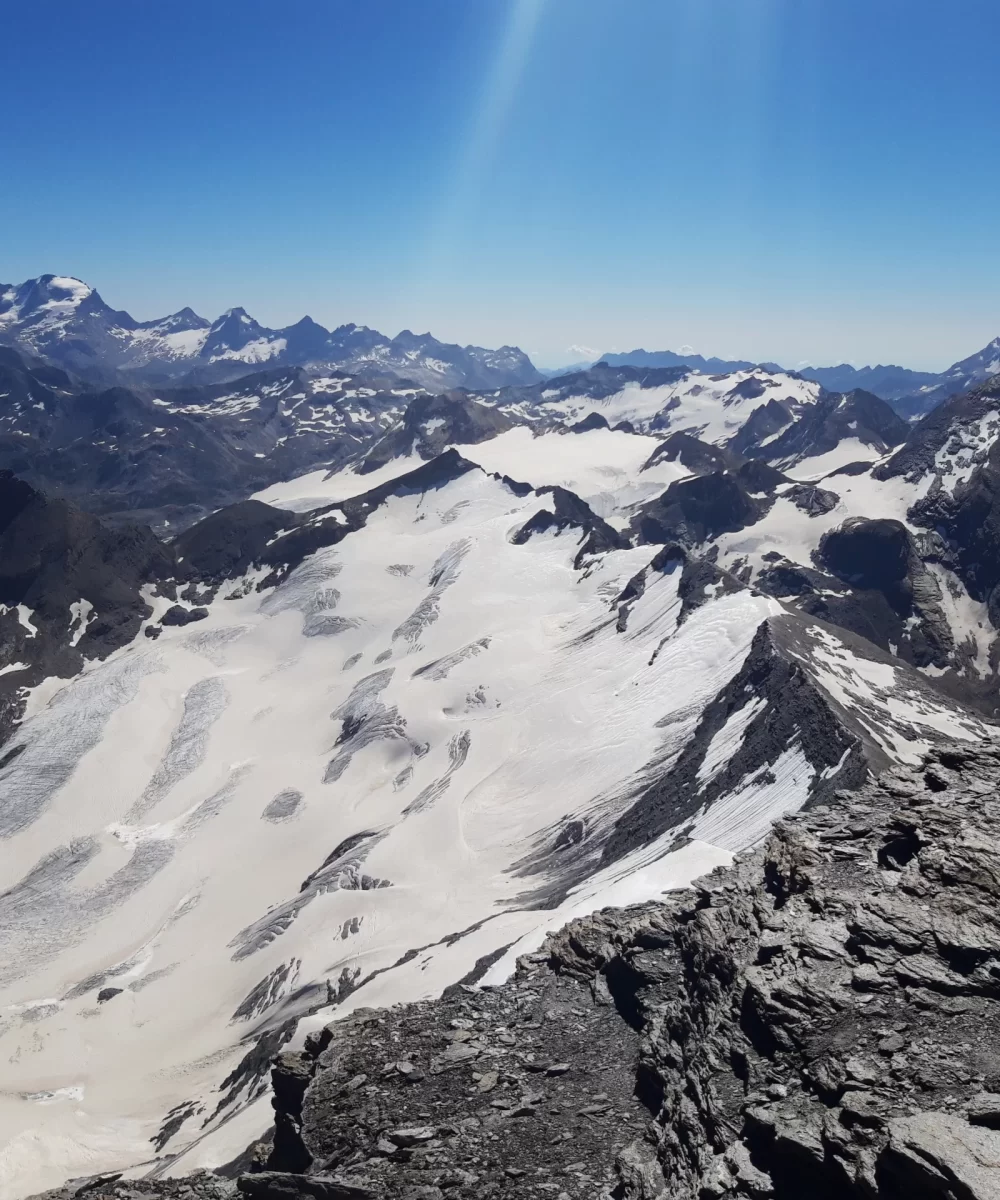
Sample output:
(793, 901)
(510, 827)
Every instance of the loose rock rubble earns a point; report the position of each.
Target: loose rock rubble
(822, 1020)
(523, 1090)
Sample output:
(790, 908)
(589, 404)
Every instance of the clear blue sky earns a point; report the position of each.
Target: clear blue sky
(792, 179)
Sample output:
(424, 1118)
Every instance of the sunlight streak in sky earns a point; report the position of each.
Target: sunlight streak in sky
(499, 91)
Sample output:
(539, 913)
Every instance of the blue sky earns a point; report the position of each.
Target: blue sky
(802, 180)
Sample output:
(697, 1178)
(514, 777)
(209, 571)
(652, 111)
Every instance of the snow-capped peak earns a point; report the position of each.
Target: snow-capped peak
(77, 289)
(63, 319)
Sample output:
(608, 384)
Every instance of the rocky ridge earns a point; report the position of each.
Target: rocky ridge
(169, 455)
(66, 321)
(820, 1019)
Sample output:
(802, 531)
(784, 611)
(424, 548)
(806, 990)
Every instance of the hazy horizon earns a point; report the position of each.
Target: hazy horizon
(762, 180)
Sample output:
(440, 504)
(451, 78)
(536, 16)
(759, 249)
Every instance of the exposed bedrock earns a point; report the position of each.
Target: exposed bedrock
(858, 416)
(821, 1020)
(900, 600)
(433, 423)
(693, 511)
(570, 512)
(968, 519)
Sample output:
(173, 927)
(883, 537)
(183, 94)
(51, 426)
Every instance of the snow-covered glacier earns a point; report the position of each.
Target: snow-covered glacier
(392, 771)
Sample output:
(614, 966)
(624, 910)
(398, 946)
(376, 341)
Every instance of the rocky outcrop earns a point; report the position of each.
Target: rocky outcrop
(858, 416)
(828, 1021)
(699, 457)
(589, 423)
(693, 511)
(820, 1020)
(899, 598)
(570, 512)
(433, 423)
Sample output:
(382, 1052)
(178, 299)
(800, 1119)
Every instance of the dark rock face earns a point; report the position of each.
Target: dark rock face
(455, 1094)
(691, 511)
(786, 579)
(812, 500)
(230, 540)
(593, 421)
(788, 709)
(880, 562)
(759, 478)
(823, 426)
(698, 456)
(169, 456)
(432, 423)
(871, 554)
(969, 521)
(763, 423)
(70, 586)
(938, 428)
(828, 1026)
(570, 512)
(178, 615)
(203, 1185)
(903, 617)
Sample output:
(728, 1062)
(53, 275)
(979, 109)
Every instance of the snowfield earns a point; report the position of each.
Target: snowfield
(711, 407)
(406, 759)
(602, 466)
(431, 697)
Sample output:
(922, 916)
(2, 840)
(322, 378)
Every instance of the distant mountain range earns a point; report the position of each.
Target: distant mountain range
(66, 321)
(445, 670)
(911, 393)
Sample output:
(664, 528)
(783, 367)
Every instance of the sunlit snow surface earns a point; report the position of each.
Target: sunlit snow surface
(712, 407)
(602, 466)
(327, 776)
(427, 684)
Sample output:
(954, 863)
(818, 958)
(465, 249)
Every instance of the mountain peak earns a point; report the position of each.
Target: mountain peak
(63, 319)
(234, 314)
(75, 288)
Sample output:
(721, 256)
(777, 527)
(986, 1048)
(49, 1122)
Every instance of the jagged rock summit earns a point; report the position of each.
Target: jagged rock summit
(66, 321)
(911, 393)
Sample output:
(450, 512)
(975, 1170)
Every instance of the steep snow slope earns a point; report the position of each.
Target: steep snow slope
(712, 407)
(169, 821)
(604, 467)
(368, 776)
